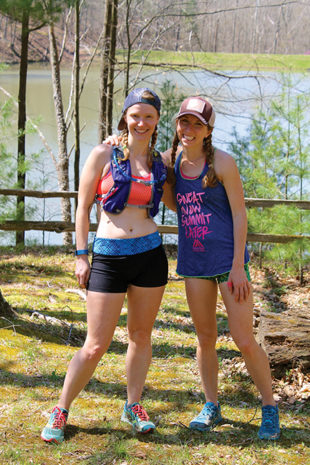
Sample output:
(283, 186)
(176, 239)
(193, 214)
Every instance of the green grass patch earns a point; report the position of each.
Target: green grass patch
(223, 61)
(34, 356)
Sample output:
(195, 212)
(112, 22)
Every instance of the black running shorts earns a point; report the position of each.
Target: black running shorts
(114, 273)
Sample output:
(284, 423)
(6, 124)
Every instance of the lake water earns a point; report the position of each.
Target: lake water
(235, 96)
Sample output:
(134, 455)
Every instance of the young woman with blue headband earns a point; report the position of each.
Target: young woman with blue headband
(128, 257)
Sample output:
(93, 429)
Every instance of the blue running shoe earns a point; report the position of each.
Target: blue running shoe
(137, 417)
(270, 427)
(208, 418)
(55, 428)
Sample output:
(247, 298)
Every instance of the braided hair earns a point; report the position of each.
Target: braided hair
(210, 179)
(171, 179)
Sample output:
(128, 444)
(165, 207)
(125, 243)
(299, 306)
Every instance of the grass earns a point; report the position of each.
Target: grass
(225, 61)
(34, 358)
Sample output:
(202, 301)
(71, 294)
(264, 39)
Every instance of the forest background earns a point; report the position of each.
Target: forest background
(132, 43)
(226, 26)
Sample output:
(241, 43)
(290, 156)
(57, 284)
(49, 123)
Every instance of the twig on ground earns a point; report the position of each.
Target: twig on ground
(11, 324)
(77, 291)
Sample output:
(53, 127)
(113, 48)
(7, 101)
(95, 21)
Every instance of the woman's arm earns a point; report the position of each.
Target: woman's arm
(227, 171)
(91, 174)
(169, 194)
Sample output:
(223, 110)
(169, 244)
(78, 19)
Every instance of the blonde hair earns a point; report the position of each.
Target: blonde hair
(210, 179)
(124, 136)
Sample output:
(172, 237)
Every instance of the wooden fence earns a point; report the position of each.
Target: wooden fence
(62, 226)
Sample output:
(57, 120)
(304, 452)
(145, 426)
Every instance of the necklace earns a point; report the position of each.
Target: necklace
(193, 163)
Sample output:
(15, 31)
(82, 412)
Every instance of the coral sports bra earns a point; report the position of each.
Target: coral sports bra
(140, 193)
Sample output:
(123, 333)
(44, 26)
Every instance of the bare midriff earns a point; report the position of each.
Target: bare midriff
(131, 222)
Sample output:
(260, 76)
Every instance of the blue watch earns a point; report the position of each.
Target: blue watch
(81, 252)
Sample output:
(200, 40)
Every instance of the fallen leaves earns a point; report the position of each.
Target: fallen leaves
(294, 387)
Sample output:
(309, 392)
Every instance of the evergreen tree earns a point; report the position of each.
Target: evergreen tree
(8, 168)
(274, 160)
(32, 15)
(7, 161)
(171, 99)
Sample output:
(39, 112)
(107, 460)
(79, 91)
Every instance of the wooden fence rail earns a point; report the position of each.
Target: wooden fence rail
(303, 204)
(61, 226)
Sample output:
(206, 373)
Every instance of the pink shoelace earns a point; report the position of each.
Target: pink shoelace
(139, 410)
(60, 418)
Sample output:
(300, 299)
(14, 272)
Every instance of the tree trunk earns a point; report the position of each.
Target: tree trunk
(286, 337)
(63, 164)
(215, 47)
(234, 30)
(6, 310)
(111, 67)
(21, 146)
(77, 99)
(126, 84)
(104, 72)
(177, 38)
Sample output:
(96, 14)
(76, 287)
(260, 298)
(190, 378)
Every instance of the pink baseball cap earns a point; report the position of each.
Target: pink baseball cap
(199, 107)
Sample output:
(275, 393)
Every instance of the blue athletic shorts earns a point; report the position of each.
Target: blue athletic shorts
(223, 278)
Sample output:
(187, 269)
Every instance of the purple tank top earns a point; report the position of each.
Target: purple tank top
(206, 242)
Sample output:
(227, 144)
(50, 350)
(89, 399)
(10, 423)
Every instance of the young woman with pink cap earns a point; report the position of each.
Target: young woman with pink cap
(212, 254)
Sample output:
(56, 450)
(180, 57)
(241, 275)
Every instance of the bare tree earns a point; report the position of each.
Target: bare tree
(77, 99)
(104, 70)
(21, 143)
(112, 65)
(64, 119)
(62, 129)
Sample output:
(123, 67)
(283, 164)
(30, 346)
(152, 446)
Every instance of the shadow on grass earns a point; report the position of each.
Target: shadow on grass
(75, 337)
(37, 250)
(57, 334)
(174, 311)
(65, 314)
(186, 328)
(122, 322)
(9, 270)
(222, 321)
(71, 316)
(241, 435)
(177, 399)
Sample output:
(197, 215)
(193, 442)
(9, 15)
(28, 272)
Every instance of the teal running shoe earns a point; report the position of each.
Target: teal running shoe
(208, 418)
(137, 417)
(270, 427)
(55, 428)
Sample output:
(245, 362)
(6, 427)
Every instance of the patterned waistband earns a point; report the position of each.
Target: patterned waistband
(131, 246)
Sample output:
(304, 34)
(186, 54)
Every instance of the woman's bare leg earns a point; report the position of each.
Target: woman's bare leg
(143, 306)
(103, 311)
(201, 297)
(240, 319)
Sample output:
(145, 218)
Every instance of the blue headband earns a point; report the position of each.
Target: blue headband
(134, 97)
